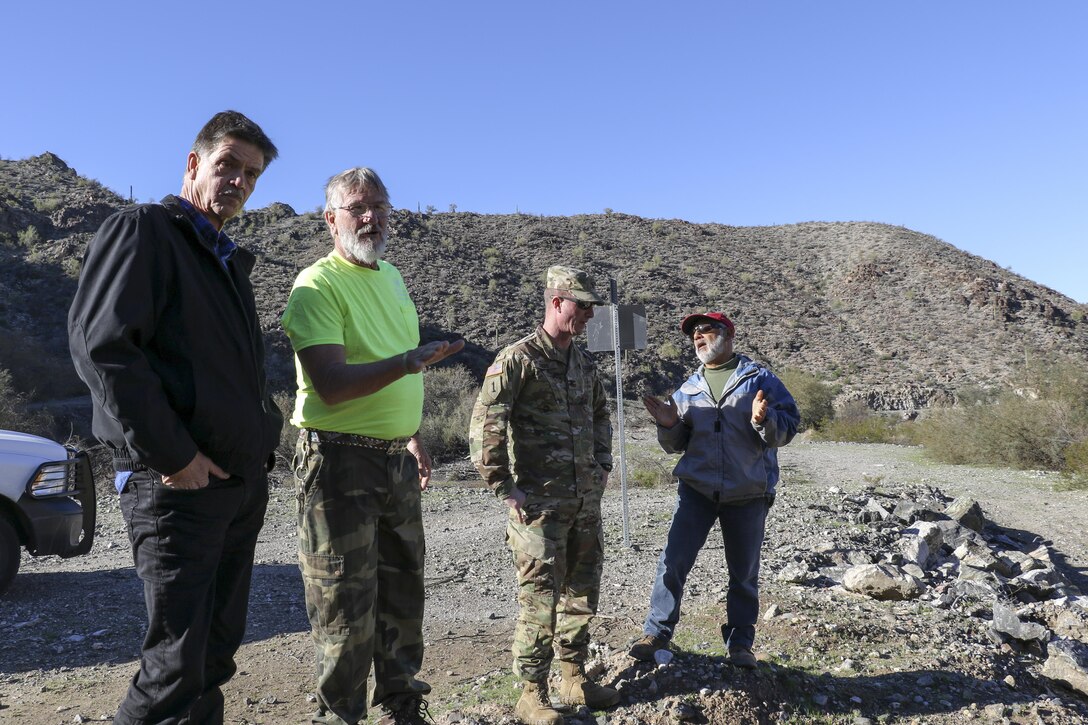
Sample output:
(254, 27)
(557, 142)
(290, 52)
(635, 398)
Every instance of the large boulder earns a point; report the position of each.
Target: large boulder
(966, 512)
(882, 581)
(1067, 663)
(1006, 621)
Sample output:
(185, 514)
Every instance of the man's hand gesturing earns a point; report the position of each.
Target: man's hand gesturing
(664, 412)
(429, 354)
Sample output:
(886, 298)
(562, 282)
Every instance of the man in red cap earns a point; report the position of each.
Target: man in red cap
(728, 420)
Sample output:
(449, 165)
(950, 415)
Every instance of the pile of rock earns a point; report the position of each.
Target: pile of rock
(949, 555)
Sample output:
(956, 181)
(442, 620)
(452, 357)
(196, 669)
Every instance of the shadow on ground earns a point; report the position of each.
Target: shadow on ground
(77, 619)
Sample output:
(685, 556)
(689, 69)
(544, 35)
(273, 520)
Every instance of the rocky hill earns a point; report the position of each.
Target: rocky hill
(899, 319)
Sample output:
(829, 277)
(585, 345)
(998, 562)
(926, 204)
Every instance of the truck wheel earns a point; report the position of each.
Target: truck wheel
(9, 553)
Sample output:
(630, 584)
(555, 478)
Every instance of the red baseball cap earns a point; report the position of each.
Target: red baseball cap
(692, 320)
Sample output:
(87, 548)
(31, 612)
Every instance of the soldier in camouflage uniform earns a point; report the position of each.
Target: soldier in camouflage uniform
(359, 464)
(541, 438)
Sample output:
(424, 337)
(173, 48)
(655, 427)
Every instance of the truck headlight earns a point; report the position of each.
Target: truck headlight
(53, 479)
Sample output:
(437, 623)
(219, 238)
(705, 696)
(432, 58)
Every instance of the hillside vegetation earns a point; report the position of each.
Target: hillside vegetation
(894, 318)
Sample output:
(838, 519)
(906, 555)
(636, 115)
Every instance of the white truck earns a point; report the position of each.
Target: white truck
(47, 501)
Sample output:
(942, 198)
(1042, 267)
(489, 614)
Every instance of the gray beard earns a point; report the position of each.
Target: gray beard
(711, 351)
(363, 251)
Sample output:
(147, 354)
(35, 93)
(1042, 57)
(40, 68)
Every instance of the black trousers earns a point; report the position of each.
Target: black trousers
(193, 551)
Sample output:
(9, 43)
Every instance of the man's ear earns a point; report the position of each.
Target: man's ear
(191, 162)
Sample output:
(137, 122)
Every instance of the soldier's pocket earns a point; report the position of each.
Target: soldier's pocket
(530, 541)
(322, 574)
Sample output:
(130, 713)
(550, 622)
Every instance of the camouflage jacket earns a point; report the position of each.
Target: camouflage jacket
(540, 423)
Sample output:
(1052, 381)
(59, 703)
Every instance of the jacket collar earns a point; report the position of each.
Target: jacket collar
(697, 382)
(243, 258)
(544, 340)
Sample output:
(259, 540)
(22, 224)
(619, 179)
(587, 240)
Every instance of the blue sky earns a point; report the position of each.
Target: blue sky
(967, 120)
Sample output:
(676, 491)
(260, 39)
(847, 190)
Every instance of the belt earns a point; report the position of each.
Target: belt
(397, 445)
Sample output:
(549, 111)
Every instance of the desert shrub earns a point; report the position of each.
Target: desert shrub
(976, 395)
(449, 394)
(668, 351)
(29, 237)
(646, 471)
(855, 423)
(653, 264)
(1076, 459)
(1042, 425)
(813, 396)
(1011, 432)
(15, 414)
(71, 267)
(285, 451)
(48, 204)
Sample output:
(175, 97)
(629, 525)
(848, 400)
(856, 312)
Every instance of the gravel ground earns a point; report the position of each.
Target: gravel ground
(70, 629)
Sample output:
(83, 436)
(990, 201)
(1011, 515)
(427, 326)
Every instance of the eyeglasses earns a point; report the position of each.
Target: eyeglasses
(581, 305)
(704, 328)
(380, 210)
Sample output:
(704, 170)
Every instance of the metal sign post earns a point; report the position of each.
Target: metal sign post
(619, 327)
(619, 409)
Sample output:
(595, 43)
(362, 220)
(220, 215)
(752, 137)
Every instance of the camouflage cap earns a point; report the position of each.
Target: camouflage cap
(572, 283)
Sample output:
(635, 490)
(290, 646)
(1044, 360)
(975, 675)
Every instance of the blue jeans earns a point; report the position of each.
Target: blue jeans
(742, 526)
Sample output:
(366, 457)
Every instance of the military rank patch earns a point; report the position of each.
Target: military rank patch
(495, 369)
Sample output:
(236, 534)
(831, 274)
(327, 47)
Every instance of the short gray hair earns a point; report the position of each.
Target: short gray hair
(352, 180)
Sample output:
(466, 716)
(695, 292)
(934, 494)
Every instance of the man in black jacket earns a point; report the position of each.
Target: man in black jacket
(164, 331)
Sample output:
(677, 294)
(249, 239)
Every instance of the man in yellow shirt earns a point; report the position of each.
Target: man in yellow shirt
(359, 464)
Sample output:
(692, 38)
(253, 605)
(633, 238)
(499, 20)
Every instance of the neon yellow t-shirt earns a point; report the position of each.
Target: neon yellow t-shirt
(369, 312)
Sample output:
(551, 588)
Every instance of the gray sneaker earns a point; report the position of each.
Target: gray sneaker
(644, 648)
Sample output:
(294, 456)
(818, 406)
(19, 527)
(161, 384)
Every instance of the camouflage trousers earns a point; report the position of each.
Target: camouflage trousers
(558, 553)
(361, 548)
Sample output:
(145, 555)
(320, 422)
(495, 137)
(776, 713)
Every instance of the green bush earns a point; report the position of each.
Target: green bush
(1042, 425)
(814, 396)
(449, 394)
(646, 471)
(873, 429)
(1076, 458)
(71, 267)
(668, 351)
(48, 204)
(855, 423)
(29, 237)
